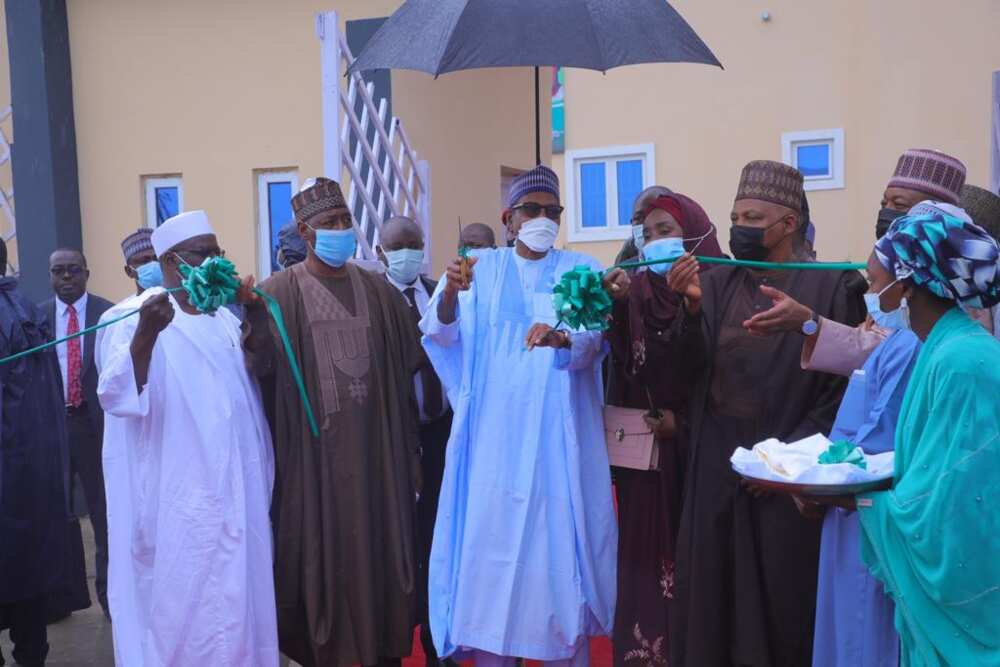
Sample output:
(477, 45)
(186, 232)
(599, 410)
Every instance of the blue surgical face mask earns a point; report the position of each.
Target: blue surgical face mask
(669, 248)
(335, 246)
(404, 264)
(894, 319)
(149, 275)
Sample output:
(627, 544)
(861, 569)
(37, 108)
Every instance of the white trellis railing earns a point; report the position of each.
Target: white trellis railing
(8, 227)
(384, 176)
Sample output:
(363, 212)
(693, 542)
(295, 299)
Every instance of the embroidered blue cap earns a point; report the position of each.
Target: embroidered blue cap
(539, 179)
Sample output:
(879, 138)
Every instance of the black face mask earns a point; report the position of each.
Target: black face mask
(886, 217)
(748, 243)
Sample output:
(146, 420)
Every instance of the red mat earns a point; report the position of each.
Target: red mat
(600, 647)
(600, 654)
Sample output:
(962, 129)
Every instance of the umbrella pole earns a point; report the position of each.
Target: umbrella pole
(538, 124)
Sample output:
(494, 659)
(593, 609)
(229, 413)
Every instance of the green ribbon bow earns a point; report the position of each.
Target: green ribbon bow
(844, 451)
(580, 299)
(211, 285)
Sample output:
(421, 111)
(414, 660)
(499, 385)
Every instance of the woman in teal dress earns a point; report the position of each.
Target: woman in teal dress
(934, 538)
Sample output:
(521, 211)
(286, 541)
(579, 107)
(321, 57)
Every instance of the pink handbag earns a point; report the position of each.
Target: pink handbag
(629, 439)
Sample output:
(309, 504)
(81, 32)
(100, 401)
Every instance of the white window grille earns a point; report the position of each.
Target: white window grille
(601, 187)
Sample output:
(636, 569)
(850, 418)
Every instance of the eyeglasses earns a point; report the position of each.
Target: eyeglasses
(185, 255)
(533, 210)
(71, 270)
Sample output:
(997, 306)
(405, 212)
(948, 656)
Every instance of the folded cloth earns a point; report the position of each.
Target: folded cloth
(843, 451)
(799, 462)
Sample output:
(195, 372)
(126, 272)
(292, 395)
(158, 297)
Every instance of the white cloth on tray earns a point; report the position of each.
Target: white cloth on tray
(798, 462)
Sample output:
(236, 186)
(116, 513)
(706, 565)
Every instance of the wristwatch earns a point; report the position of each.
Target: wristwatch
(810, 326)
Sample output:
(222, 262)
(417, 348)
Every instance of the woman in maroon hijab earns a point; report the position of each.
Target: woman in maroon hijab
(655, 340)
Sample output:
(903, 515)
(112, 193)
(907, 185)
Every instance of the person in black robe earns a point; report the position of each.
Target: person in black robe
(745, 585)
(35, 547)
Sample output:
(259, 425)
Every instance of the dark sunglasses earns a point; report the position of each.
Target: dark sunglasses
(534, 210)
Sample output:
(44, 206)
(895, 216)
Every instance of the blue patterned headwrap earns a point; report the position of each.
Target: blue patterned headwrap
(944, 253)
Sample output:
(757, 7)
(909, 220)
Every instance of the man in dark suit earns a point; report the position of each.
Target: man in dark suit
(71, 310)
(401, 248)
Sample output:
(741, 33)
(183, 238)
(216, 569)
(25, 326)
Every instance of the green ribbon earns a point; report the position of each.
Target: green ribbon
(760, 266)
(209, 287)
(279, 323)
(581, 301)
(844, 451)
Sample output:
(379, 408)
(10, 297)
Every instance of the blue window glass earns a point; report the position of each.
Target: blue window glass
(813, 159)
(279, 214)
(167, 204)
(629, 187)
(593, 195)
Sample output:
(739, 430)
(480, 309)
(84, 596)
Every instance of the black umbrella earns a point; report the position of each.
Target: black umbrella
(439, 36)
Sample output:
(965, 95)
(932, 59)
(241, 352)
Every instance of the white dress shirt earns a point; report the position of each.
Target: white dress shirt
(62, 322)
(421, 297)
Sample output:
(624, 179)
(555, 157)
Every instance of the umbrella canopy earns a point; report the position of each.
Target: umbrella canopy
(439, 36)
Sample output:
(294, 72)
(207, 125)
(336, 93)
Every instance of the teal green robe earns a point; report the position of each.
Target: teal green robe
(934, 539)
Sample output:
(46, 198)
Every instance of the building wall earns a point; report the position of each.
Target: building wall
(215, 90)
(893, 74)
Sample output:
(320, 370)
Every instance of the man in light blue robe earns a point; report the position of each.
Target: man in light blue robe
(523, 557)
(854, 616)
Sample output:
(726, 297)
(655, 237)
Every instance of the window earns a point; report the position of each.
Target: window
(601, 186)
(164, 198)
(818, 154)
(274, 211)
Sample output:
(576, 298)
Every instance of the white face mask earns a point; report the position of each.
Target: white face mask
(538, 234)
(404, 264)
(894, 319)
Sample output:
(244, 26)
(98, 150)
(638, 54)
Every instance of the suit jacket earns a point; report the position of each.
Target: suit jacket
(96, 306)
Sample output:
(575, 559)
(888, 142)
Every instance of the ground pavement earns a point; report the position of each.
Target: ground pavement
(84, 639)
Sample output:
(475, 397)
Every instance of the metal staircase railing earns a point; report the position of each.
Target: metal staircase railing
(385, 176)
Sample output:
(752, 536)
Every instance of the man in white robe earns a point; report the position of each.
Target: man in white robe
(523, 561)
(189, 469)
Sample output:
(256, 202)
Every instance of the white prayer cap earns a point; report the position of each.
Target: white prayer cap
(178, 229)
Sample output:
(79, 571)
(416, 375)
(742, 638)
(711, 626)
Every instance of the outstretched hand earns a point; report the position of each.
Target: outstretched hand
(684, 278)
(616, 283)
(459, 274)
(786, 314)
(245, 294)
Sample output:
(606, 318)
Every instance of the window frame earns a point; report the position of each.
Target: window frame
(609, 155)
(834, 137)
(264, 178)
(149, 186)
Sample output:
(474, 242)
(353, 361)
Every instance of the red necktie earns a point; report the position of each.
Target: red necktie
(74, 361)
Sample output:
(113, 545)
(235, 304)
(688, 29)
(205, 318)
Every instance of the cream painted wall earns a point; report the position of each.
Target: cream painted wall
(892, 73)
(214, 90)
